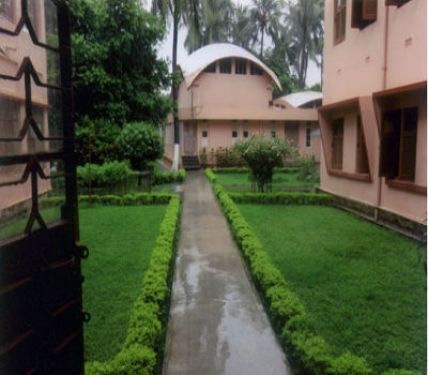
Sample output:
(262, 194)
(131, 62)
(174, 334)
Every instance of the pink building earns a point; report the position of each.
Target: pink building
(226, 95)
(373, 119)
(13, 50)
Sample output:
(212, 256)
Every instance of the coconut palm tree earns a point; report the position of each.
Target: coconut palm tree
(263, 14)
(304, 20)
(178, 10)
(242, 28)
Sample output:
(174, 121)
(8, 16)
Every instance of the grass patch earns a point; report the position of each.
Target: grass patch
(120, 241)
(240, 182)
(364, 286)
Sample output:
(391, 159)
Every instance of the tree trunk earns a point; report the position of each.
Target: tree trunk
(176, 19)
(261, 43)
(304, 54)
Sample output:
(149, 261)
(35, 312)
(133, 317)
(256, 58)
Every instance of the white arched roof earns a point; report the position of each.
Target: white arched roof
(297, 99)
(195, 63)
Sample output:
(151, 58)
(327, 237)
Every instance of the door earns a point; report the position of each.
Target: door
(189, 132)
(292, 133)
(40, 277)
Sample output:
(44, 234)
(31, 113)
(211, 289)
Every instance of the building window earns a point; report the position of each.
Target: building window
(234, 134)
(210, 68)
(364, 12)
(339, 20)
(245, 134)
(7, 10)
(240, 66)
(397, 3)
(225, 66)
(398, 144)
(204, 133)
(362, 160)
(256, 70)
(273, 134)
(308, 136)
(9, 126)
(337, 144)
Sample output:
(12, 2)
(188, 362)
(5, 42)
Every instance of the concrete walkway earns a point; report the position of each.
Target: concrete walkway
(217, 324)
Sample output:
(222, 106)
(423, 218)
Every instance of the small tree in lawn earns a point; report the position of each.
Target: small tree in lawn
(262, 156)
(140, 143)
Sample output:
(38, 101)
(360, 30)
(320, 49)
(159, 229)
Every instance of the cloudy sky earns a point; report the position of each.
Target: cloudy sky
(165, 48)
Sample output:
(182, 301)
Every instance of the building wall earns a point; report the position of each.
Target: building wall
(15, 50)
(389, 53)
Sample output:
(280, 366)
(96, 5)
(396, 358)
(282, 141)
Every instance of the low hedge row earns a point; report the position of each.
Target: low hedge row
(169, 177)
(247, 170)
(210, 175)
(283, 198)
(112, 200)
(143, 347)
(308, 352)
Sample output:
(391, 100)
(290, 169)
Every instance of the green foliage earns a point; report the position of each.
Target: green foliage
(283, 198)
(140, 143)
(117, 75)
(308, 170)
(307, 351)
(107, 174)
(226, 157)
(401, 372)
(262, 156)
(210, 175)
(169, 177)
(144, 340)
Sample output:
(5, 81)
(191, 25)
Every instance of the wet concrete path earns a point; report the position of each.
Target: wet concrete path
(217, 324)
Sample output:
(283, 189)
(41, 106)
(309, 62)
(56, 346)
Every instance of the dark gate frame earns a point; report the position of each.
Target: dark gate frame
(41, 318)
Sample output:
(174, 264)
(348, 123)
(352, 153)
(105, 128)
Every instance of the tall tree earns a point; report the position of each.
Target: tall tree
(117, 75)
(264, 13)
(242, 28)
(305, 24)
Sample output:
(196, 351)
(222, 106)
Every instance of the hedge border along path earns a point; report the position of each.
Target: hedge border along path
(307, 351)
(142, 350)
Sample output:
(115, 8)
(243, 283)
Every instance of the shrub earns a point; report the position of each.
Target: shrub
(139, 143)
(108, 174)
(308, 170)
(226, 157)
(262, 156)
(283, 198)
(210, 175)
(169, 177)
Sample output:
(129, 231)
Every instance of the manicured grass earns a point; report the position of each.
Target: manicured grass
(364, 286)
(282, 181)
(120, 242)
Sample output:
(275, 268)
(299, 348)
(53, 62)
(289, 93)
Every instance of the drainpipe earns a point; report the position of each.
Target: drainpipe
(385, 71)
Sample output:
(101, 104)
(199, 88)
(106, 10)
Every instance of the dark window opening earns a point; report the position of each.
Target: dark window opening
(308, 136)
(337, 144)
(234, 134)
(398, 144)
(240, 66)
(7, 10)
(273, 133)
(210, 68)
(225, 66)
(204, 133)
(362, 160)
(339, 20)
(364, 12)
(256, 70)
(245, 133)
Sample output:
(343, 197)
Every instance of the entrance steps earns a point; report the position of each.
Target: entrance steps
(190, 162)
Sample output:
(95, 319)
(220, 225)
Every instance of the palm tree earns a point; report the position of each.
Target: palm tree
(304, 21)
(242, 28)
(177, 10)
(263, 14)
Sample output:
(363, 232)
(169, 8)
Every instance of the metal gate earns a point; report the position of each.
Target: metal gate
(40, 278)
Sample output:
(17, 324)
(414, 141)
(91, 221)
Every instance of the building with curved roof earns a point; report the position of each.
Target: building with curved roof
(226, 94)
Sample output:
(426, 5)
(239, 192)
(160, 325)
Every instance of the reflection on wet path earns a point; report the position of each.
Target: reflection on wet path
(217, 324)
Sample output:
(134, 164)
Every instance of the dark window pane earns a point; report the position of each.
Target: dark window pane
(225, 66)
(240, 66)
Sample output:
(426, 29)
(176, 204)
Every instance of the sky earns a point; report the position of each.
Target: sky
(165, 48)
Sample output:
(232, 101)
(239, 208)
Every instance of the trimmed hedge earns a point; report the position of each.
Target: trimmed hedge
(210, 175)
(247, 170)
(143, 346)
(283, 198)
(169, 177)
(308, 352)
(112, 200)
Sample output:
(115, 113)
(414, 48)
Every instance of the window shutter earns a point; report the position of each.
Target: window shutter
(390, 144)
(369, 11)
(408, 144)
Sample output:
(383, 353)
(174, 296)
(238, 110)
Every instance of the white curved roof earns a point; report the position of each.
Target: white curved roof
(297, 99)
(194, 64)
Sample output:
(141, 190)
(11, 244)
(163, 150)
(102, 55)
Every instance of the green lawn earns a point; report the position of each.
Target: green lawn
(282, 181)
(120, 241)
(364, 286)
